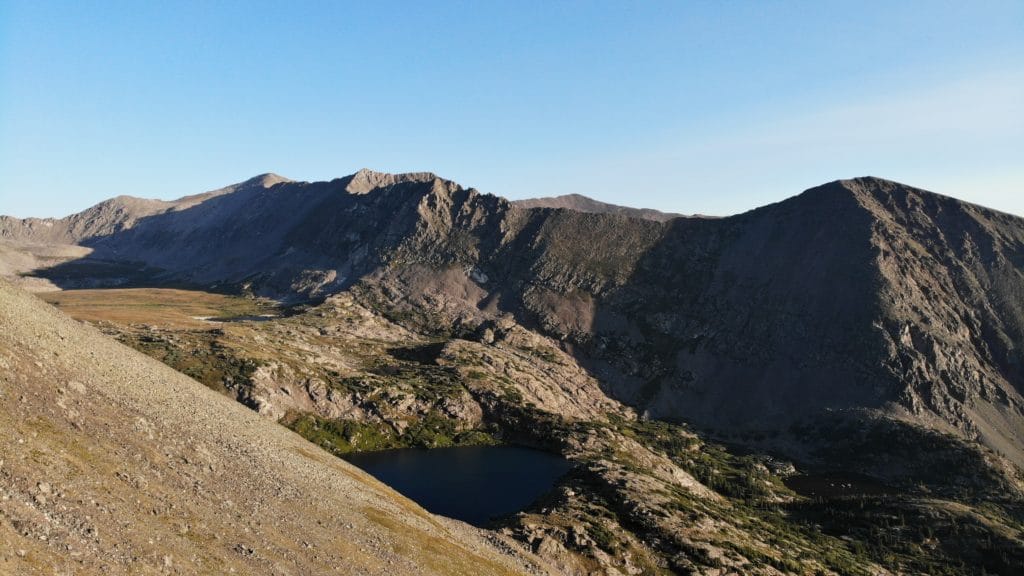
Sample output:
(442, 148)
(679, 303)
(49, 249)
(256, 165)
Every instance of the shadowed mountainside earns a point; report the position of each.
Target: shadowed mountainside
(857, 297)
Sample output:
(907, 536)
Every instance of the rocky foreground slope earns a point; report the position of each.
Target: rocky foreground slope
(112, 463)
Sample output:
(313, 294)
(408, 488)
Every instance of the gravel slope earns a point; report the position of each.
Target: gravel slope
(111, 462)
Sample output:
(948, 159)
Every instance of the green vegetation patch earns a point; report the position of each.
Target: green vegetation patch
(343, 436)
(197, 355)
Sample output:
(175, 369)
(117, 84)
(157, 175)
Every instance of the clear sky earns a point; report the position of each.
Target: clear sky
(710, 107)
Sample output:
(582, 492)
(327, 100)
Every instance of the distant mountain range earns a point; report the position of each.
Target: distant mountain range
(858, 299)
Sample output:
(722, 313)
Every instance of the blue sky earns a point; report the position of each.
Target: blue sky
(696, 107)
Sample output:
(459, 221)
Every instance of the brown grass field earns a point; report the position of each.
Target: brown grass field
(168, 308)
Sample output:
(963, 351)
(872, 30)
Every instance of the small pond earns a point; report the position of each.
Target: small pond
(475, 484)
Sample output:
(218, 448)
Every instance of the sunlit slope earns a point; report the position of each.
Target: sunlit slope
(111, 462)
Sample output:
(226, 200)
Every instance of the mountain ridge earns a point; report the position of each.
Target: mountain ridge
(848, 283)
(862, 328)
(581, 203)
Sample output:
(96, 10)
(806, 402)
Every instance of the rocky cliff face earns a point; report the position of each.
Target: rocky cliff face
(859, 296)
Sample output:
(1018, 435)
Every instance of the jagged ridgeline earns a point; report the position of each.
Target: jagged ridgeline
(857, 295)
(866, 330)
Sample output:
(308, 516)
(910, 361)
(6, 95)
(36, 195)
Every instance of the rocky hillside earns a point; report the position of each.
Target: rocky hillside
(112, 463)
(858, 298)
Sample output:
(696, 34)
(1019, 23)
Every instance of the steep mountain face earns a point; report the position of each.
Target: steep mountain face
(860, 295)
(581, 203)
(951, 309)
(856, 298)
(297, 238)
(113, 463)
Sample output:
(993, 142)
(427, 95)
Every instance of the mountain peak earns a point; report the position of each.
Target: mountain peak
(879, 194)
(867, 191)
(266, 180)
(581, 203)
(857, 185)
(366, 180)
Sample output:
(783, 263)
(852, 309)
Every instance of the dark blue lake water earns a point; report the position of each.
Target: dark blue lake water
(474, 484)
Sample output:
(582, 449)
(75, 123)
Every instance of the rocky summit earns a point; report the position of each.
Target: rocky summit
(863, 328)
